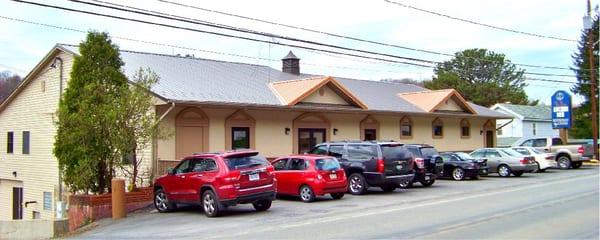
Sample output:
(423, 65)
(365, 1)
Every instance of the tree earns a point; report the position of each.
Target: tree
(8, 83)
(139, 125)
(88, 123)
(481, 76)
(405, 81)
(582, 126)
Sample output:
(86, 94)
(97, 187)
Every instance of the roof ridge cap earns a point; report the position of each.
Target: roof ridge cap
(300, 79)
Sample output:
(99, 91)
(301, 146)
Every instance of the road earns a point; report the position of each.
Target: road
(552, 205)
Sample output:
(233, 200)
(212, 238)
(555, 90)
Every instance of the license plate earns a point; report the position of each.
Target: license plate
(254, 177)
(333, 176)
(427, 178)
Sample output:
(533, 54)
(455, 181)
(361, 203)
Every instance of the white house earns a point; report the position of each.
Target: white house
(528, 121)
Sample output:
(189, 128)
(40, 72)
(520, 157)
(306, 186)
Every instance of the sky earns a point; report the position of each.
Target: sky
(23, 45)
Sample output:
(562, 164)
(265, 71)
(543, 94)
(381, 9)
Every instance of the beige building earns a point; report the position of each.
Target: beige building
(214, 105)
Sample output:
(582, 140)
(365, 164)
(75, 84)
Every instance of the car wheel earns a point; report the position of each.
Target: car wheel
(388, 188)
(427, 183)
(357, 184)
(504, 171)
(576, 164)
(518, 173)
(210, 204)
(262, 205)
(458, 174)
(161, 203)
(564, 162)
(407, 184)
(306, 194)
(337, 195)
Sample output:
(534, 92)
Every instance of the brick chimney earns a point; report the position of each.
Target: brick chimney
(291, 64)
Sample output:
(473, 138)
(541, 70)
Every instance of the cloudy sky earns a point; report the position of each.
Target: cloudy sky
(23, 44)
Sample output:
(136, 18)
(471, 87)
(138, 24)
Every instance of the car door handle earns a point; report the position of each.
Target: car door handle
(199, 175)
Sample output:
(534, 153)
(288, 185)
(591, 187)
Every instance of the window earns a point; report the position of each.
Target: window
(320, 150)
(47, 201)
(183, 167)
(522, 151)
(336, 151)
(540, 142)
(204, 165)
(534, 129)
(297, 164)
(240, 137)
(477, 154)
(437, 128)
(245, 161)
(327, 164)
(429, 152)
(492, 153)
(10, 138)
(365, 152)
(557, 141)
(405, 127)
(528, 143)
(25, 142)
(370, 134)
(280, 165)
(465, 127)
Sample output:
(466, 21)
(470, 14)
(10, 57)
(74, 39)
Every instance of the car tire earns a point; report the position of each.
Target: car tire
(518, 173)
(542, 170)
(210, 204)
(405, 185)
(564, 162)
(337, 195)
(504, 170)
(538, 169)
(161, 202)
(357, 185)
(427, 183)
(388, 188)
(458, 174)
(576, 165)
(306, 193)
(262, 205)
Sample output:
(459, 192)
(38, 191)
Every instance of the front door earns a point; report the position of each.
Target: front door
(17, 203)
(489, 139)
(309, 137)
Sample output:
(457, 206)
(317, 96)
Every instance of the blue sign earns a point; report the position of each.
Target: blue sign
(561, 110)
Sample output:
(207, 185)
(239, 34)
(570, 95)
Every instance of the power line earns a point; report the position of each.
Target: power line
(479, 23)
(340, 36)
(233, 36)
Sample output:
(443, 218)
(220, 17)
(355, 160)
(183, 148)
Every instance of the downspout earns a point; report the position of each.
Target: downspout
(155, 144)
(60, 212)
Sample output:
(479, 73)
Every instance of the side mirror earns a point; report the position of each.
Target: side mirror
(171, 171)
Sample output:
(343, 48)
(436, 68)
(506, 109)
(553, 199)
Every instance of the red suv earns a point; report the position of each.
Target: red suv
(216, 181)
(309, 176)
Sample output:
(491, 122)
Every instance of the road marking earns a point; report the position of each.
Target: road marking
(345, 216)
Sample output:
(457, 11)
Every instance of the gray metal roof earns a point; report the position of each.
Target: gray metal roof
(204, 80)
(531, 113)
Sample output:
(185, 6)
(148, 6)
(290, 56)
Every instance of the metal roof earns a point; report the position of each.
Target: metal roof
(531, 113)
(188, 79)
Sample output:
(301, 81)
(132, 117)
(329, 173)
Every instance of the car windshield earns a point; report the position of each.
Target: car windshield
(327, 164)
(536, 151)
(245, 161)
(429, 152)
(464, 156)
(511, 152)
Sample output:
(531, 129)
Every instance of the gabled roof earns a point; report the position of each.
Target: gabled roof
(431, 101)
(206, 81)
(292, 92)
(526, 112)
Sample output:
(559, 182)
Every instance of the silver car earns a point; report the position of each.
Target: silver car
(505, 161)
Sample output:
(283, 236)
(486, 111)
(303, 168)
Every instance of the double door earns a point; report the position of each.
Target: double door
(309, 137)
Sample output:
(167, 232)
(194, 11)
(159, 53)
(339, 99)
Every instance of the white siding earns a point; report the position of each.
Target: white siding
(542, 129)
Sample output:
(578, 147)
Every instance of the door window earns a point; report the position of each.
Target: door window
(296, 164)
(204, 165)
(557, 141)
(310, 137)
(492, 153)
(183, 167)
(365, 152)
(528, 143)
(540, 142)
(280, 164)
(320, 150)
(521, 151)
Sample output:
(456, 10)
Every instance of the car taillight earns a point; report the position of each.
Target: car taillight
(420, 162)
(380, 166)
(232, 177)
(580, 150)
(524, 161)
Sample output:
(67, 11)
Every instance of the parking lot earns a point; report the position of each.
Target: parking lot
(557, 204)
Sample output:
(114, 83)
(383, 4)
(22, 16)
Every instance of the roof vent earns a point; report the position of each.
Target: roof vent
(291, 64)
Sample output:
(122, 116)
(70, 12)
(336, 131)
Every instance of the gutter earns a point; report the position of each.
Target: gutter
(504, 125)
(60, 181)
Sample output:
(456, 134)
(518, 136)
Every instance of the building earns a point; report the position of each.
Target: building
(215, 105)
(527, 121)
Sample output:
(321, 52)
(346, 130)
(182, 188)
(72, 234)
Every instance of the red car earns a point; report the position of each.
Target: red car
(309, 176)
(216, 181)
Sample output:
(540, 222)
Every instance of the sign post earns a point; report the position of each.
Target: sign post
(561, 113)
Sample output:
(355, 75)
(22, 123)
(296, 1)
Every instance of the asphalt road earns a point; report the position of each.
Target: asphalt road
(552, 205)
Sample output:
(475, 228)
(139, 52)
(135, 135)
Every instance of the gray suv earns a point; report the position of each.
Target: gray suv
(370, 163)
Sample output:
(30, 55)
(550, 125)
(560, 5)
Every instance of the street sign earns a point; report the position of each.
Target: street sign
(561, 110)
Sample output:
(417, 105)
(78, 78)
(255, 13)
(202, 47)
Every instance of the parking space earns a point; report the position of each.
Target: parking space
(190, 222)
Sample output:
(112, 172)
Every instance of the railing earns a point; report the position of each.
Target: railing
(164, 165)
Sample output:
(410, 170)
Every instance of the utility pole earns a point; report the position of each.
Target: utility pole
(588, 25)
